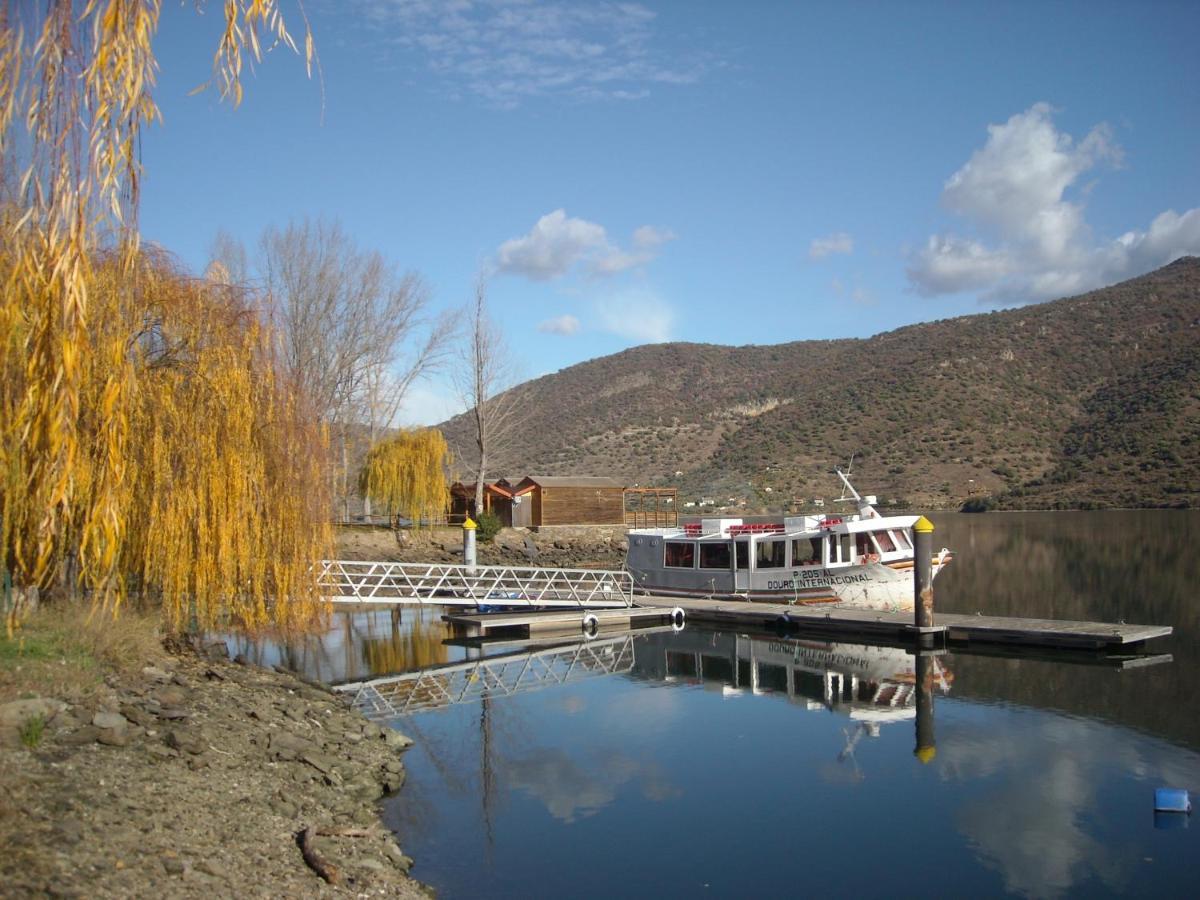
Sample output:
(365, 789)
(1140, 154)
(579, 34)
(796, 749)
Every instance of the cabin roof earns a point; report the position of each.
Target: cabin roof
(465, 489)
(545, 481)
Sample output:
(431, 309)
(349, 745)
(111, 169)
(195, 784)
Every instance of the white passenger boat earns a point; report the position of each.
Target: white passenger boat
(862, 560)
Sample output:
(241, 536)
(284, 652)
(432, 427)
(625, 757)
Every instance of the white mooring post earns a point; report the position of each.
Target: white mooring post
(469, 527)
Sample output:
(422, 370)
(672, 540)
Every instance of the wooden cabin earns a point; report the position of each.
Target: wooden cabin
(497, 499)
(568, 500)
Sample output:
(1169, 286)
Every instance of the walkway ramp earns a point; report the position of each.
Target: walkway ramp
(434, 584)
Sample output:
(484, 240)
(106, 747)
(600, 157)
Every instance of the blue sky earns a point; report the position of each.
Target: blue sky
(735, 173)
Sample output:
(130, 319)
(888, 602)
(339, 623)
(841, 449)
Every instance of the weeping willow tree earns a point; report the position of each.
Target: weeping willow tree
(407, 474)
(91, 419)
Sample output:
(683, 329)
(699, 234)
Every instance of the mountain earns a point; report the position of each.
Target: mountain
(1088, 401)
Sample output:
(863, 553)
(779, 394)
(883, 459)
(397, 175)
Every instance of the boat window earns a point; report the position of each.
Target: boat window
(862, 544)
(770, 555)
(714, 556)
(681, 664)
(743, 554)
(679, 554)
(772, 678)
(901, 537)
(806, 552)
(839, 548)
(886, 544)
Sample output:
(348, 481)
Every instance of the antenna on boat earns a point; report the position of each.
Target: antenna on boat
(865, 505)
(848, 491)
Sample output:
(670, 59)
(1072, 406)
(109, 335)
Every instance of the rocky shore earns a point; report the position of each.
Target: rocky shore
(198, 777)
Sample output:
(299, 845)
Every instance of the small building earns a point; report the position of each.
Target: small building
(568, 500)
(497, 499)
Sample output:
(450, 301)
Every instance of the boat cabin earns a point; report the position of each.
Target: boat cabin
(724, 554)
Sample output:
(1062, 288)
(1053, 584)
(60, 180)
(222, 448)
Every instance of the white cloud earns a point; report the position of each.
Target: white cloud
(1032, 240)
(640, 315)
(950, 264)
(557, 243)
(646, 241)
(839, 242)
(552, 247)
(565, 325)
(509, 52)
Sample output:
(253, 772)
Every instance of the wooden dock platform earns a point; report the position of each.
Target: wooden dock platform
(948, 628)
(522, 622)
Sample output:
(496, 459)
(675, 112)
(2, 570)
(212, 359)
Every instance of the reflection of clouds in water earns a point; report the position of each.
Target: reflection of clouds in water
(644, 712)
(573, 704)
(570, 790)
(1032, 827)
(1031, 833)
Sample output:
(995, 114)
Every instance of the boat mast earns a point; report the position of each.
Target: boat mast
(865, 505)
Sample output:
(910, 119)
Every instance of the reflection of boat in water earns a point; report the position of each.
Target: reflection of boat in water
(861, 560)
(867, 683)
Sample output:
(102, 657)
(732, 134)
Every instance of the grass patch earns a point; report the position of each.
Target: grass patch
(65, 650)
(31, 732)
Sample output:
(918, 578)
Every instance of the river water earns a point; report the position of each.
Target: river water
(714, 764)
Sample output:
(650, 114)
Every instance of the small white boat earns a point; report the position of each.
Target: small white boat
(863, 560)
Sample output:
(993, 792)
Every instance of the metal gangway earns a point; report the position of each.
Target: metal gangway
(431, 584)
(497, 676)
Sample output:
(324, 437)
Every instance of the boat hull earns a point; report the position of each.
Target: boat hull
(877, 586)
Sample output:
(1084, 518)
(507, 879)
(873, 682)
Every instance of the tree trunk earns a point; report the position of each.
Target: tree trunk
(479, 483)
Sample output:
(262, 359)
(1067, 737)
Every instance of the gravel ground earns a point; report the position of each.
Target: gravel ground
(198, 777)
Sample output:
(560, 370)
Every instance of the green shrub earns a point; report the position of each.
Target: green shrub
(979, 504)
(32, 730)
(489, 526)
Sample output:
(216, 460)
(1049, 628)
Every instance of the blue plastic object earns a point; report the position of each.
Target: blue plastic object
(1174, 800)
(1169, 821)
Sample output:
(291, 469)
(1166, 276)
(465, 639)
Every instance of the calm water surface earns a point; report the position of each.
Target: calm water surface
(716, 764)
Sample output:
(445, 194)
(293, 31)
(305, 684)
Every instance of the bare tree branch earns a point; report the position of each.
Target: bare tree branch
(483, 379)
(353, 334)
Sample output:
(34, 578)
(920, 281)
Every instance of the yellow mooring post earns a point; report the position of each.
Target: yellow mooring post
(923, 609)
(923, 572)
(925, 749)
(469, 527)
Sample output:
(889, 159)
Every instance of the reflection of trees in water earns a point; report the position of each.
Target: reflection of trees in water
(410, 641)
(1137, 566)
(357, 644)
(470, 747)
(1133, 565)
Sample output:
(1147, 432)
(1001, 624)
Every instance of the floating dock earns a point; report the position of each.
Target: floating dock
(522, 622)
(949, 629)
(590, 599)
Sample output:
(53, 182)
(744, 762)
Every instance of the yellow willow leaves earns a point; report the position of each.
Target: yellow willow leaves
(420, 645)
(407, 473)
(227, 505)
(75, 82)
